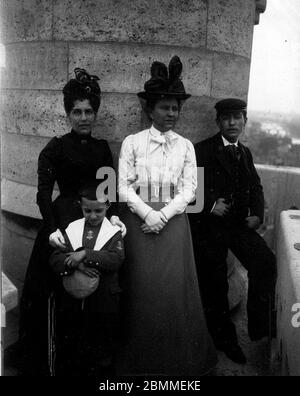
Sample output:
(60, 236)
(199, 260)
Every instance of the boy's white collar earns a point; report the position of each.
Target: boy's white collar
(75, 230)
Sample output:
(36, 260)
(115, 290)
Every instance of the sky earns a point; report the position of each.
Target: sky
(275, 65)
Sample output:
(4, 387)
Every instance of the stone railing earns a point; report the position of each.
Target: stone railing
(287, 350)
(281, 188)
(9, 302)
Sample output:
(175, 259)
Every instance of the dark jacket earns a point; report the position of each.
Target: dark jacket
(107, 261)
(219, 179)
(71, 161)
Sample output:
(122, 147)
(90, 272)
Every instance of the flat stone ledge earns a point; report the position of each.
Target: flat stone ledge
(9, 293)
(20, 199)
(281, 185)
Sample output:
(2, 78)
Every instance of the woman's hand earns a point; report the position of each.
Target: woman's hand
(57, 240)
(154, 222)
(74, 259)
(116, 221)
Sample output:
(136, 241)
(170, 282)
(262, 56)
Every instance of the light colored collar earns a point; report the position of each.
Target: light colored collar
(226, 143)
(155, 132)
(75, 229)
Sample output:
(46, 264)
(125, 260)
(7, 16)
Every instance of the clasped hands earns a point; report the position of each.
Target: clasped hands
(222, 208)
(154, 222)
(75, 260)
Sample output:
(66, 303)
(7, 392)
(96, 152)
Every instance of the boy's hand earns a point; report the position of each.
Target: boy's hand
(221, 208)
(252, 222)
(91, 272)
(74, 259)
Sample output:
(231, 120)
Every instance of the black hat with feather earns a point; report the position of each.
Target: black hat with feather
(83, 84)
(165, 82)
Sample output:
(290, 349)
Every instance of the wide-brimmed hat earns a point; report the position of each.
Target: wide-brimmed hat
(83, 84)
(165, 82)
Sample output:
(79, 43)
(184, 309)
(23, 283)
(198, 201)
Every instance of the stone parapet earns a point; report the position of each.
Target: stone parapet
(281, 185)
(288, 295)
(9, 294)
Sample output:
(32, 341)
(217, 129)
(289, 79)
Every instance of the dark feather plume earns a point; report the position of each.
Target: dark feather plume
(159, 70)
(175, 68)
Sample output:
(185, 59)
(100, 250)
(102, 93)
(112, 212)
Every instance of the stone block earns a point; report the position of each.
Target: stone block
(126, 67)
(230, 76)
(9, 293)
(280, 186)
(19, 224)
(20, 198)
(197, 119)
(15, 260)
(33, 112)
(171, 22)
(19, 157)
(119, 115)
(230, 26)
(35, 66)
(25, 20)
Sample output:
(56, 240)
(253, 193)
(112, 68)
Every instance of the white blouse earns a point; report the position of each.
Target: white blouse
(160, 160)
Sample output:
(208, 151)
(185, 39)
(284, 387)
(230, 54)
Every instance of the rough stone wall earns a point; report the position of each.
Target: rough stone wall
(117, 40)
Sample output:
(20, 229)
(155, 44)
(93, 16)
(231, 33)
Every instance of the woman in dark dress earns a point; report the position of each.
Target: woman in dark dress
(166, 333)
(71, 161)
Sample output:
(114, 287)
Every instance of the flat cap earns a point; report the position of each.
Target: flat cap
(231, 104)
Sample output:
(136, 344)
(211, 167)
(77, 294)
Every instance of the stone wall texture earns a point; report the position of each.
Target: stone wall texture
(117, 40)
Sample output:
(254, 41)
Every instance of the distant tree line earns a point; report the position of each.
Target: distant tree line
(271, 148)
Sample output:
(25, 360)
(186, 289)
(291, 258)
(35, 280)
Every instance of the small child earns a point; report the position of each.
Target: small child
(87, 328)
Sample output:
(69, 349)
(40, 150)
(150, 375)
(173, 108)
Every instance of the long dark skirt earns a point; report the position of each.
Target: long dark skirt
(33, 324)
(163, 321)
(39, 282)
(85, 343)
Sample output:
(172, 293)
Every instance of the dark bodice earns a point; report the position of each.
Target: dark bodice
(71, 161)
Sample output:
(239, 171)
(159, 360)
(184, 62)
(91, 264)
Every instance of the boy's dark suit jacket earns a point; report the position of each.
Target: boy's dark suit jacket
(219, 180)
(108, 261)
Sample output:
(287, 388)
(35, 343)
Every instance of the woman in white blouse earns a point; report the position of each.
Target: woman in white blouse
(166, 333)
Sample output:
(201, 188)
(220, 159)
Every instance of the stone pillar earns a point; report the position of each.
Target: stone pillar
(117, 40)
